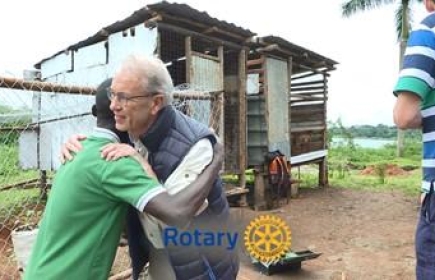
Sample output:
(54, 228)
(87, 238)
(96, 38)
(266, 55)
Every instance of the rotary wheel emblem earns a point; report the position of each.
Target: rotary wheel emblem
(267, 238)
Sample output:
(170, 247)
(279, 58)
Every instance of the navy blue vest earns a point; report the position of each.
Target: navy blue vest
(168, 141)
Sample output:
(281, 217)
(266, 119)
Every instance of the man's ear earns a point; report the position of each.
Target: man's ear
(429, 5)
(157, 104)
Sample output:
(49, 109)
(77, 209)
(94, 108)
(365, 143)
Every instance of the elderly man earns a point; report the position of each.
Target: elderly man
(178, 146)
(86, 209)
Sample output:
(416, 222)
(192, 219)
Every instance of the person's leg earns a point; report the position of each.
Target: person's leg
(138, 244)
(425, 239)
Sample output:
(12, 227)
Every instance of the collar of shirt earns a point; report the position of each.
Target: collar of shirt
(105, 133)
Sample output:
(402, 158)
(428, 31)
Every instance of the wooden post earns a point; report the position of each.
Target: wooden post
(323, 165)
(242, 125)
(323, 172)
(259, 189)
(189, 70)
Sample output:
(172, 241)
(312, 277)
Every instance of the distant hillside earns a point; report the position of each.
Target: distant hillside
(370, 131)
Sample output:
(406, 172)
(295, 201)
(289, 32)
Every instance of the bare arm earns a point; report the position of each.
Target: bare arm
(406, 112)
(178, 209)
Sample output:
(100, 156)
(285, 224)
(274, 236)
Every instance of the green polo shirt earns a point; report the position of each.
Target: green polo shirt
(85, 214)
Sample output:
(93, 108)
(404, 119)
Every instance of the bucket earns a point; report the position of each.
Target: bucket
(23, 240)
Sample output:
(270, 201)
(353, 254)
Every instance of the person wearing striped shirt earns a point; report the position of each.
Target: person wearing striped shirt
(415, 108)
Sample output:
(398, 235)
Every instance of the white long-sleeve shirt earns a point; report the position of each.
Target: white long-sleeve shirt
(199, 156)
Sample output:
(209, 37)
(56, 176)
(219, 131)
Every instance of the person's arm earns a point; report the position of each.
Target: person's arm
(178, 209)
(416, 81)
(406, 111)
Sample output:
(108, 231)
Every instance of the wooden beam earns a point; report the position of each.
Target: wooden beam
(205, 28)
(206, 56)
(308, 128)
(308, 88)
(307, 93)
(242, 121)
(258, 61)
(189, 66)
(186, 32)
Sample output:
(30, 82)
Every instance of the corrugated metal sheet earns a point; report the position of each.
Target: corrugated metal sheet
(90, 56)
(303, 52)
(141, 15)
(60, 63)
(206, 74)
(185, 11)
(144, 41)
(257, 135)
(277, 97)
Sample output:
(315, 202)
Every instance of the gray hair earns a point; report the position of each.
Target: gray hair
(152, 74)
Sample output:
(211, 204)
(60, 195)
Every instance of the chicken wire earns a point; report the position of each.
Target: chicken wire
(36, 118)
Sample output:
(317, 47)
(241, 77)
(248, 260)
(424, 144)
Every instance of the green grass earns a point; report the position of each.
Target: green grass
(10, 172)
(15, 203)
(19, 205)
(345, 165)
(408, 184)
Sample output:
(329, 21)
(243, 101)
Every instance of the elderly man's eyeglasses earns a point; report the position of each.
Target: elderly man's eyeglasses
(122, 97)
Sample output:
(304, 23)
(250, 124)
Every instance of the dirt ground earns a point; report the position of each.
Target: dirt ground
(360, 235)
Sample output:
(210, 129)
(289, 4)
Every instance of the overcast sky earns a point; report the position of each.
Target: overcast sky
(360, 90)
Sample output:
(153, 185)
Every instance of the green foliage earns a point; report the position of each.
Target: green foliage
(10, 172)
(22, 120)
(336, 129)
(381, 171)
(345, 164)
(16, 203)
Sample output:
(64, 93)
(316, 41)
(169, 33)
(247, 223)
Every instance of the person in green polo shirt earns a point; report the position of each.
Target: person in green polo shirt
(86, 209)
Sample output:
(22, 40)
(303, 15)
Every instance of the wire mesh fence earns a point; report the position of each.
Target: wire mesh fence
(36, 118)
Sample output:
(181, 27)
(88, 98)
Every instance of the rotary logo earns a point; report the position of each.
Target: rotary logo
(267, 238)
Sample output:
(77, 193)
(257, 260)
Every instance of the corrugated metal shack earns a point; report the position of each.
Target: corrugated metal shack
(287, 106)
(206, 53)
(267, 93)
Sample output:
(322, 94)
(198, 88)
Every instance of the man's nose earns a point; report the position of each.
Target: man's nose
(115, 105)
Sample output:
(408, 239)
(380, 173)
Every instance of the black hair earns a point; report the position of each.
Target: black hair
(101, 110)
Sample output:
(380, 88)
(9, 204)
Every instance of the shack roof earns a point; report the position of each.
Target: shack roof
(300, 55)
(180, 14)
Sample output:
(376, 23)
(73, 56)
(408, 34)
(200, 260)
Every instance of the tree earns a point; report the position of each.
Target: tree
(403, 27)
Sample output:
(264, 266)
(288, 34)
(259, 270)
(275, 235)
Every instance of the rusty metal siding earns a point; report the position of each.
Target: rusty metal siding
(90, 56)
(206, 74)
(144, 41)
(257, 141)
(61, 63)
(277, 106)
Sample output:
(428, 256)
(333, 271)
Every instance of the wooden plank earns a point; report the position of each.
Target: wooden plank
(206, 56)
(256, 71)
(189, 66)
(304, 129)
(297, 84)
(19, 184)
(308, 99)
(236, 191)
(19, 128)
(305, 96)
(259, 191)
(307, 93)
(253, 62)
(296, 89)
(296, 112)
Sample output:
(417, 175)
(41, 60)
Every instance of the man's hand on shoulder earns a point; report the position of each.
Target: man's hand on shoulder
(71, 145)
